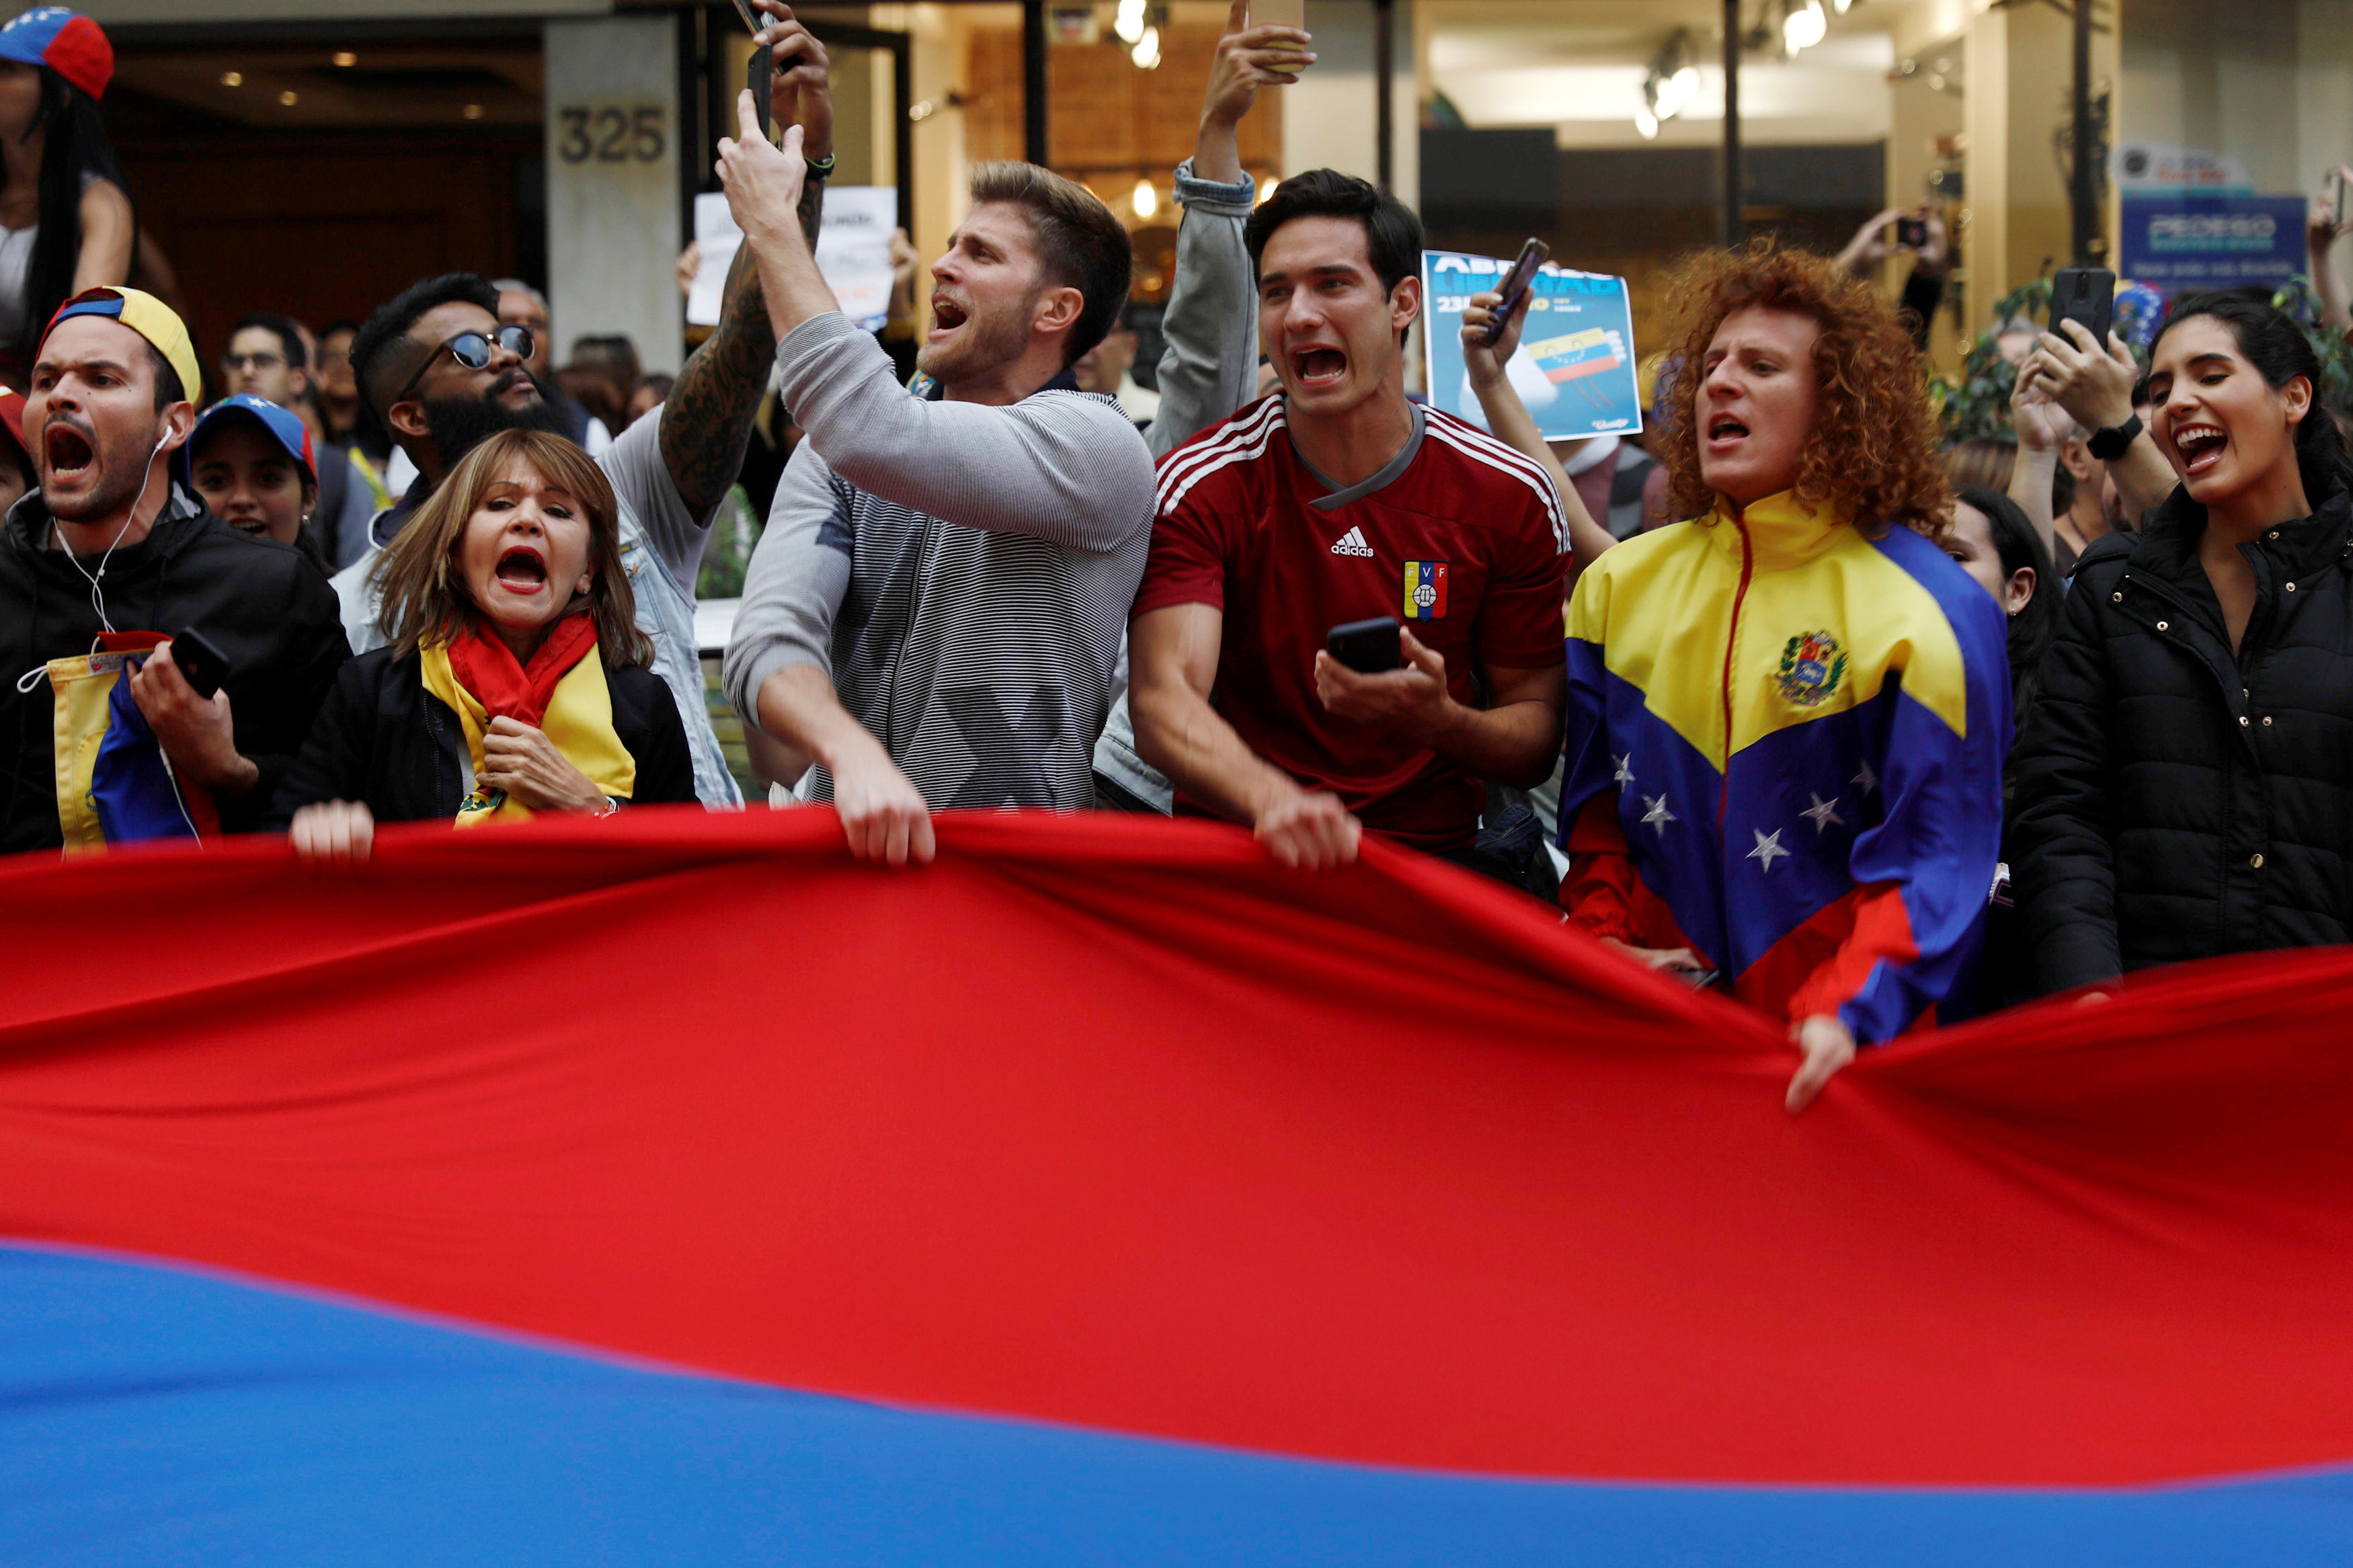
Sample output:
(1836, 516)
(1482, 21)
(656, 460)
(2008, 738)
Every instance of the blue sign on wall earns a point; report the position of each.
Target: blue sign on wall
(2213, 241)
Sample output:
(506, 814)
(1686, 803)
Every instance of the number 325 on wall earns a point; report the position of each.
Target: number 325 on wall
(611, 135)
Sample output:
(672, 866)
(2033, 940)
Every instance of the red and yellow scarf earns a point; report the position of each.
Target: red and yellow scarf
(560, 692)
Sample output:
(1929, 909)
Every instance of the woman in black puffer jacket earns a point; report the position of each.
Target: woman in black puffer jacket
(2185, 784)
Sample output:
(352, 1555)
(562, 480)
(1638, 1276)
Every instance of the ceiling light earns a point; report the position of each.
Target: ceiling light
(1840, 5)
(1686, 82)
(1646, 122)
(1146, 201)
(289, 97)
(232, 78)
(1146, 53)
(1129, 22)
(1804, 27)
(346, 59)
(1266, 188)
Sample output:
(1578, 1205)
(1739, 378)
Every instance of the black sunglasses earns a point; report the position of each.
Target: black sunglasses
(472, 350)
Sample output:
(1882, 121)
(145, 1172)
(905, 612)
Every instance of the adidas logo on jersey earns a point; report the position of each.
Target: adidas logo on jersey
(1353, 544)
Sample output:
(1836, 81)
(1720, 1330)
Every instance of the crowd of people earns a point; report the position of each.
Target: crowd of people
(1789, 708)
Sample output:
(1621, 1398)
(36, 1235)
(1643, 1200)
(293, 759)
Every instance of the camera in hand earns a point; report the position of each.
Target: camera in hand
(1366, 647)
(1912, 232)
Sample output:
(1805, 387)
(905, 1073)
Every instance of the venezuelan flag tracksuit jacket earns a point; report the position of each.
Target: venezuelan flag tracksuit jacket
(1785, 752)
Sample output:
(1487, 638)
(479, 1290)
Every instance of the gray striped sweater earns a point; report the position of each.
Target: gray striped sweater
(961, 572)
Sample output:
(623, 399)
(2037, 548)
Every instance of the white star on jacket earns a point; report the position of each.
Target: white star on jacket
(1625, 770)
(1658, 816)
(1768, 845)
(1822, 813)
(1866, 778)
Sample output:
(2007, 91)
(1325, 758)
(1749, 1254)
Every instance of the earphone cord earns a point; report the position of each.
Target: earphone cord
(97, 594)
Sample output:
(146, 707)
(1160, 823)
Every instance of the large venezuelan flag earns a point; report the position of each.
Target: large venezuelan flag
(673, 1190)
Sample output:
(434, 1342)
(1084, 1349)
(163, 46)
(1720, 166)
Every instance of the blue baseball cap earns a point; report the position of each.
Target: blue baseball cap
(67, 42)
(244, 408)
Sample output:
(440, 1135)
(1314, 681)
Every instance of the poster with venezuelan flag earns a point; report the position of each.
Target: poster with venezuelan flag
(1575, 366)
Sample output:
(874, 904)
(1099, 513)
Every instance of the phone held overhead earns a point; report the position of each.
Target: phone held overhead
(1516, 283)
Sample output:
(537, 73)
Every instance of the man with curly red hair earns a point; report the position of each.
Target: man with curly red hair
(1786, 716)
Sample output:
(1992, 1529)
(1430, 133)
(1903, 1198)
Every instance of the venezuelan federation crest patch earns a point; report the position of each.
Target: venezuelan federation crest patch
(1425, 590)
(1812, 665)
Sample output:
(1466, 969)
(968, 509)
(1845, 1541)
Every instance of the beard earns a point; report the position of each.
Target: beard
(988, 341)
(120, 478)
(459, 425)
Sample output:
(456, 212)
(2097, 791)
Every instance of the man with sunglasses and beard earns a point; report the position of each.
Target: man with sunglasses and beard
(440, 372)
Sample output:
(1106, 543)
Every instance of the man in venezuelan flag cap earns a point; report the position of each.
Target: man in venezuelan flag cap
(102, 739)
(1787, 716)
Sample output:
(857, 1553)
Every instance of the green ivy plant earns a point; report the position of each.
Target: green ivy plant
(2296, 298)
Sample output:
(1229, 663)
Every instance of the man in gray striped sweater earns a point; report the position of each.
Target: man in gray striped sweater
(933, 615)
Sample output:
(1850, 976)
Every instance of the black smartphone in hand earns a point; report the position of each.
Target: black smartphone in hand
(760, 77)
(1912, 232)
(2084, 294)
(200, 662)
(1516, 283)
(1366, 647)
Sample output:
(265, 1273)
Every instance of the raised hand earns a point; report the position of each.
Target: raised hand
(1246, 58)
(1486, 361)
(800, 92)
(763, 183)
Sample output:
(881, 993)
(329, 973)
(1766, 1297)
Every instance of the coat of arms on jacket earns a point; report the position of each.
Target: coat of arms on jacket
(1812, 665)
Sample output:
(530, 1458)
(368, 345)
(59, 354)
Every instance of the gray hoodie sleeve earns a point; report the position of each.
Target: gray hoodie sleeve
(1209, 367)
(1061, 467)
(794, 587)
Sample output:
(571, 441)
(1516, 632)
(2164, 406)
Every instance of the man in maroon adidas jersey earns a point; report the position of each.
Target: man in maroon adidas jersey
(1336, 500)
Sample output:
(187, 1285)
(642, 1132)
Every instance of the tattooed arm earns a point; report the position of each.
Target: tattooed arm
(707, 421)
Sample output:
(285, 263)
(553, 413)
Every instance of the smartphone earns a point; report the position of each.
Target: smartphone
(758, 77)
(1517, 282)
(2086, 294)
(200, 662)
(1912, 232)
(1366, 647)
(2337, 191)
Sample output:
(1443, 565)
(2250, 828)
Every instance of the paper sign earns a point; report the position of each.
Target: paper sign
(853, 252)
(1575, 364)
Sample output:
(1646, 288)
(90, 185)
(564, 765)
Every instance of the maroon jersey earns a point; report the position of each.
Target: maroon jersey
(1460, 537)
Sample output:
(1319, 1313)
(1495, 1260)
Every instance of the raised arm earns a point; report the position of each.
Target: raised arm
(1068, 469)
(1209, 367)
(2096, 388)
(706, 423)
(2324, 226)
(1508, 416)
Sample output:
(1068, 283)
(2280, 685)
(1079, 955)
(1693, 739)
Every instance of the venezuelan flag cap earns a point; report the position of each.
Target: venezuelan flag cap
(150, 318)
(67, 42)
(244, 408)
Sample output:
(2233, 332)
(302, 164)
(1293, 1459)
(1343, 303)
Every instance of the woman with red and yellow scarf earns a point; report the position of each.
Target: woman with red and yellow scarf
(515, 682)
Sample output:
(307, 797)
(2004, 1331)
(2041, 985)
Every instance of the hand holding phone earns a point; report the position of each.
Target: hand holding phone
(1367, 648)
(1912, 233)
(1516, 283)
(760, 77)
(200, 662)
(2086, 295)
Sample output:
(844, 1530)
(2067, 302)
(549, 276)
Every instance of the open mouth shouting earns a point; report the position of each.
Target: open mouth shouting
(2201, 446)
(947, 314)
(1318, 368)
(67, 451)
(1725, 432)
(521, 570)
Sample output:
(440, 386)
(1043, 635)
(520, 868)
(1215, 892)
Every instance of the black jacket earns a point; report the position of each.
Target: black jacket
(266, 605)
(382, 737)
(2176, 801)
